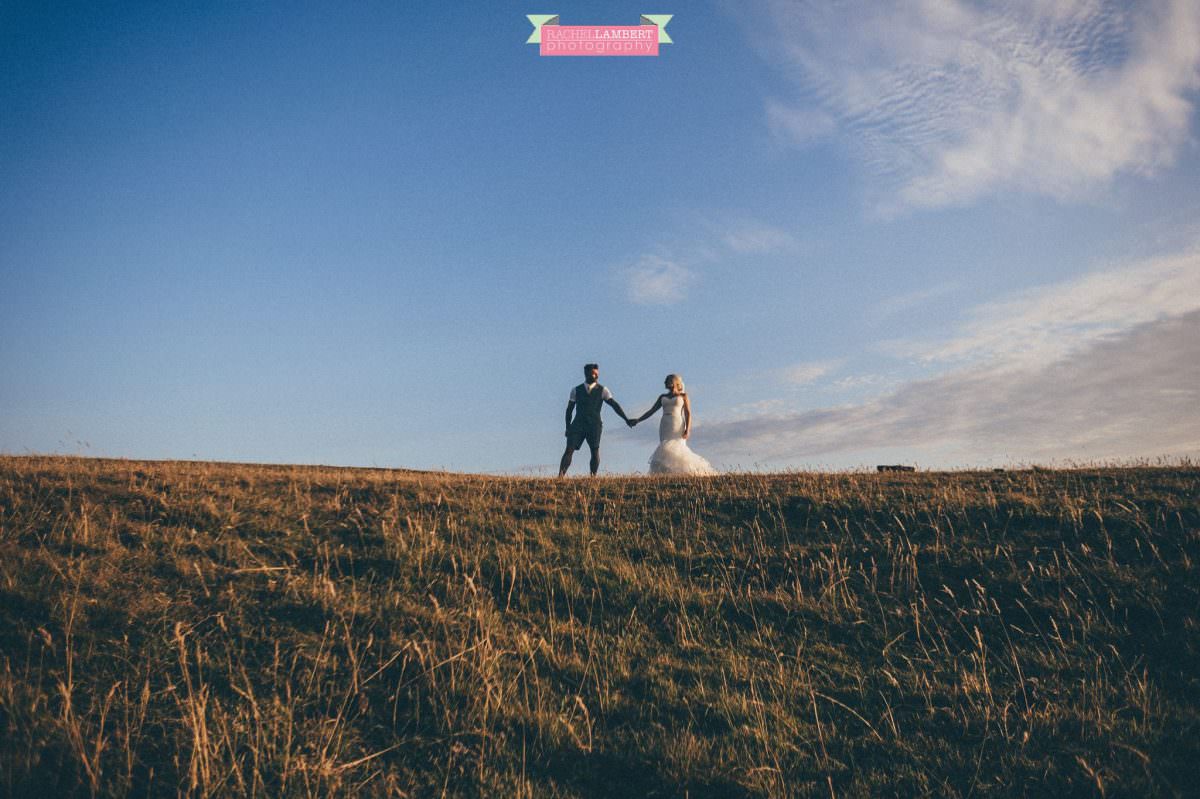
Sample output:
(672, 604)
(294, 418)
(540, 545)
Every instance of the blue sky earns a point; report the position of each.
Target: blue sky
(946, 233)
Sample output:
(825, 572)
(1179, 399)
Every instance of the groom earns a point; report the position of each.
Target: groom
(587, 400)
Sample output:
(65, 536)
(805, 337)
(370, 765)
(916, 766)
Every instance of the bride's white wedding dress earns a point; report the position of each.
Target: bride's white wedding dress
(673, 455)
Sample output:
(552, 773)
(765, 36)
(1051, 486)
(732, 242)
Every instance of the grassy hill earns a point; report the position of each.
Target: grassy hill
(231, 630)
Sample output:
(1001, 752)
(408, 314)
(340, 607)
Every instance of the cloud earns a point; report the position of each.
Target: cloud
(856, 382)
(756, 409)
(1137, 395)
(758, 239)
(657, 281)
(803, 373)
(1050, 321)
(799, 126)
(1102, 366)
(946, 102)
(899, 303)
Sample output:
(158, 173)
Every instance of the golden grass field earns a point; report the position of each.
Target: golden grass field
(199, 629)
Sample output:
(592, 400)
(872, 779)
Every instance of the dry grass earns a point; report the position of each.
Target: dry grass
(222, 630)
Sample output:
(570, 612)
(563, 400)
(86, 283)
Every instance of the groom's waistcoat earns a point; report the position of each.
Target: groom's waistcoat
(588, 406)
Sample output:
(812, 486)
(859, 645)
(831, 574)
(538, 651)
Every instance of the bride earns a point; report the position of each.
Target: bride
(673, 455)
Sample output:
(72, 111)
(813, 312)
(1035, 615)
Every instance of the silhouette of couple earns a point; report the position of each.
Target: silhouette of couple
(584, 424)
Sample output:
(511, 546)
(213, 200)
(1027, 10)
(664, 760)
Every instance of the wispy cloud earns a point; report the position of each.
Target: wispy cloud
(757, 409)
(1050, 321)
(945, 102)
(899, 303)
(756, 238)
(1103, 366)
(804, 373)
(1133, 396)
(664, 276)
(863, 381)
(799, 125)
(654, 280)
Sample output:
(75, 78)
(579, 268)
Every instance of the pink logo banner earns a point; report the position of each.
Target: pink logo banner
(599, 40)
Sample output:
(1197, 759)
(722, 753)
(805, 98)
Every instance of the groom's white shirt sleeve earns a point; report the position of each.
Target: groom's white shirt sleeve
(607, 395)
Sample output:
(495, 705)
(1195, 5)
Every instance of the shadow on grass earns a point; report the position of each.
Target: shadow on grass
(598, 775)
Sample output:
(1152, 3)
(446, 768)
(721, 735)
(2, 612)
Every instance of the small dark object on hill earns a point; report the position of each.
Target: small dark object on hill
(895, 467)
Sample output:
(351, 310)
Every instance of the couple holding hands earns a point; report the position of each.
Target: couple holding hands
(672, 455)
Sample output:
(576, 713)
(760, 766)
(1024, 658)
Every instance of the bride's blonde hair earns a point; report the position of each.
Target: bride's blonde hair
(673, 379)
